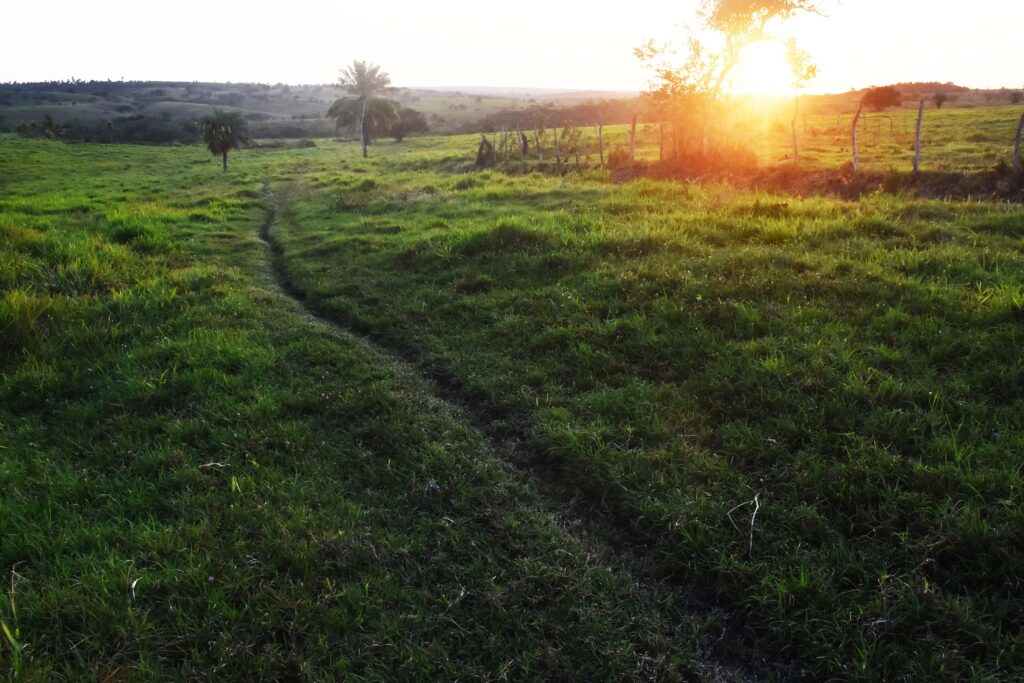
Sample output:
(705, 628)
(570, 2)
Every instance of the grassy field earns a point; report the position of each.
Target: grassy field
(687, 355)
(964, 139)
(202, 482)
(687, 431)
(953, 138)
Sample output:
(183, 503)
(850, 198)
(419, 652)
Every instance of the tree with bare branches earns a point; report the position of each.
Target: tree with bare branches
(803, 71)
(732, 25)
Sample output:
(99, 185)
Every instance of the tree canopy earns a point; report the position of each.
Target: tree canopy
(364, 79)
(409, 121)
(744, 22)
(735, 25)
(375, 115)
(879, 99)
(224, 131)
(365, 109)
(752, 17)
(727, 28)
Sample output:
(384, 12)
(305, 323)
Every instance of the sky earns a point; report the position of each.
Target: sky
(530, 43)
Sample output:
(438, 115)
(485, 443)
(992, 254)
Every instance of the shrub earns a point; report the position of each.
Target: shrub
(879, 99)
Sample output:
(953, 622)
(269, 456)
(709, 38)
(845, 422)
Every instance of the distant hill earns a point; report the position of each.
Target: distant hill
(929, 88)
(164, 111)
(169, 112)
(957, 96)
(559, 94)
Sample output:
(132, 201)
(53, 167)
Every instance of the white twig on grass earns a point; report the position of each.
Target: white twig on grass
(729, 514)
(753, 518)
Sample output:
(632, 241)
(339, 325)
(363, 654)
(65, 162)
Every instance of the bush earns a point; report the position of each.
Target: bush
(878, 99)
(618, 157)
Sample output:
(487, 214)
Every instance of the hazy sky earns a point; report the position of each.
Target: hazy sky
(531, 43)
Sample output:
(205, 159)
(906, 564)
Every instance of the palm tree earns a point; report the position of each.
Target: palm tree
(224, 131)
(364, 109)
(371, 116)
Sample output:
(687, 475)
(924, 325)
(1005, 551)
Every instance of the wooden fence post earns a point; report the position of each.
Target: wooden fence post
(856, 120)
(632, 140)
(917, 137)
(600, 141)
(792, 126)
(484, 152)
(1017, 145)
(558, 152)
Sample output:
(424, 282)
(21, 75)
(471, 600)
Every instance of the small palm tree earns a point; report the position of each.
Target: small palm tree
(364, 109)
(224, 131)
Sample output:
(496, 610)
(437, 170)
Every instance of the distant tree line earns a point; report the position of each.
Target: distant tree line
(929, 88)
(127, 129)
(585, 114)
(139, 129)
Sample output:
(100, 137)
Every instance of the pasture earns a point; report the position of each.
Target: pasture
(325, 417)
(756, 132)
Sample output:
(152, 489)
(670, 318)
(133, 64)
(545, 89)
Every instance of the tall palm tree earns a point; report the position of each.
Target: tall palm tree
(364, 109)
(224, 131)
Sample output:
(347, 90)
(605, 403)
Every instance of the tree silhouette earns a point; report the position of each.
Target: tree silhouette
(224, 131)
(734, 25)
(802, 72)
(409, 121)
(370, 117)
(745, 22)
(364, 109)
(878, 99)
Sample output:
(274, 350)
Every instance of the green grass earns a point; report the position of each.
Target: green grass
(653, 357)
(201, 482)
(953, 139)
(957, 140)
(676, 351)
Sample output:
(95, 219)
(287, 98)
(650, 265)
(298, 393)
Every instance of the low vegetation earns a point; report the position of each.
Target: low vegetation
(668, 431)
(808, 407)
(202, 482)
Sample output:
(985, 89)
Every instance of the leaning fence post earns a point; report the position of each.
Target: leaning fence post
(1017, 145)
(792, 128)
(917, 138)
(632, 140)
(856, 120)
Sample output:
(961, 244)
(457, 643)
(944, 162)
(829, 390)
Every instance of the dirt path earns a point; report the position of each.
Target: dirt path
(573, 513)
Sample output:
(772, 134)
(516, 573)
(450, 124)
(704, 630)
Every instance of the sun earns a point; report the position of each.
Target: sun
(763, 69)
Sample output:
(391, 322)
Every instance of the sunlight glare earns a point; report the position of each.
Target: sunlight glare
(763, 70)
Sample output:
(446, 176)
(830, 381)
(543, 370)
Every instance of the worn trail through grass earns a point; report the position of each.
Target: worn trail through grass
(730, 659)
(676, 351)
(201, 480)
(399, 422)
